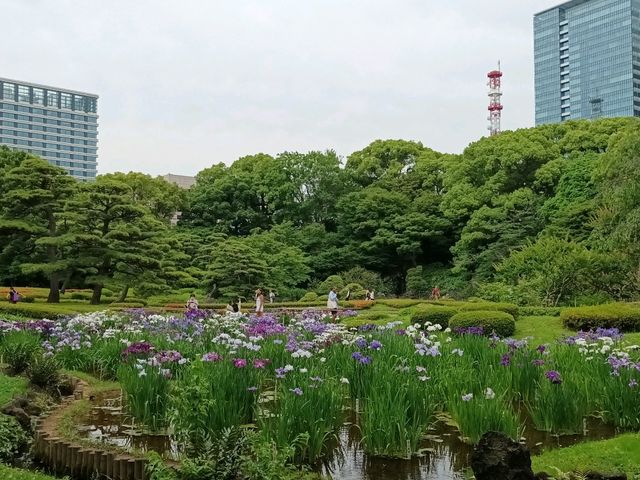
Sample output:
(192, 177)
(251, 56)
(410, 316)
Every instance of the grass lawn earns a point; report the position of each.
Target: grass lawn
(97, 385)
(8, 473)
(616, 455)
(10, 387)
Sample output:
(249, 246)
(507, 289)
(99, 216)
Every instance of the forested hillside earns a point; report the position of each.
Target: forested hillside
(547, 215)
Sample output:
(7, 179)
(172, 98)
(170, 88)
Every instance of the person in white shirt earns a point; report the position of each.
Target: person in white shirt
(272, 296)
(332, 302)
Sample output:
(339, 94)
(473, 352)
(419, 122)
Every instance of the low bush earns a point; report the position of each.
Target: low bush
(357, 291)
(80, 296)
(44, 371)
(309, 297)
(399, 302)
(623, 316)
(27, 299)
(126, 305)
(46, 310)
(136, 300)
(501, 323)
(13, 439)
(18, 350)
(539, 311)
(434, 314)
(509, 308)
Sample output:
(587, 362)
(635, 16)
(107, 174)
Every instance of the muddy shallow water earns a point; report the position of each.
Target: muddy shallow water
(444, 456)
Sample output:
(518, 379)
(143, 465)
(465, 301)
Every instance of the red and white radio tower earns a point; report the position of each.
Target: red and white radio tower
(495, 96)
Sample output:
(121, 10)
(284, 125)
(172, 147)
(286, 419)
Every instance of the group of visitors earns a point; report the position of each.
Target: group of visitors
(234, 305)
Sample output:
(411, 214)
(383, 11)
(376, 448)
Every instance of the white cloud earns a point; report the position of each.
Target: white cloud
(186, 84)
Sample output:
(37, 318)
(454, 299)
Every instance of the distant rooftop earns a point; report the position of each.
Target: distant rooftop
(47, 87)
(183, 181)
(569, 4)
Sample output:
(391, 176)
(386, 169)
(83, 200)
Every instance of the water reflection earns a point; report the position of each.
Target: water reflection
(443, 454)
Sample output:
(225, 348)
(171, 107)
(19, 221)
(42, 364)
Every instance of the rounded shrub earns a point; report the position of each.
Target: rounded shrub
(509, 308)
(434, 314)
(309, 297)
(501, 323)
(625, 317)
(357, 291)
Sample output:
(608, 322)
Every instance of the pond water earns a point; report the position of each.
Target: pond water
(444, 456)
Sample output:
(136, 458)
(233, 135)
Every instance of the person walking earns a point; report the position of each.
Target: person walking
(192, 303)
(371, 295)
(272, 296)
(332, 302)
(367, 295)
(14, 297)
(259, 302)
(435, 293)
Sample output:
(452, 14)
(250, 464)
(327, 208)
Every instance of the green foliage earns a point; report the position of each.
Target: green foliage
(13, 440)
(9, 473)
(355, 291)
(19, 349)
(10, 387)
(334, 281)
(44, 371)
(435, 314)
(501, 323)
(309, 297)
(218, 458)
(625, 317)
(509, 308)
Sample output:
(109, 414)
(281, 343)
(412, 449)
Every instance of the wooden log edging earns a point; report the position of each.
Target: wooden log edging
(66, 457)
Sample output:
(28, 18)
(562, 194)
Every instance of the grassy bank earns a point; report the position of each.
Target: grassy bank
(9, 473)
(616, 455)
(10, 387)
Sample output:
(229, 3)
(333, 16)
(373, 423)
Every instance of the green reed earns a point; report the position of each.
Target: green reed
(146, 395)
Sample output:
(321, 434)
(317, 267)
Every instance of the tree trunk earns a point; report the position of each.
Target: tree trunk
(54, 291)
(52, 256)
(123, 294)
(97, 293)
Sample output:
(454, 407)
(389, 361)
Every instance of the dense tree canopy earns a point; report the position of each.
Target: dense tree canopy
(539, 215)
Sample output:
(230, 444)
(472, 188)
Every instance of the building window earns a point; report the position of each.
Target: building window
(78, 102)
(52, 99)
(23, 93)
(38, 96)
(65, 100)
(8, 91)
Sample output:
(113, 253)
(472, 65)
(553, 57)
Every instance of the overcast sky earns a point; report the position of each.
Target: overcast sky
(185, 84)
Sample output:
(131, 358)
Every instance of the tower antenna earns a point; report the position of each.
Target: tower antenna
(495, 100)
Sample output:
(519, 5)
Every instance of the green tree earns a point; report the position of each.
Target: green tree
(34, 194)
(235, 269)
(114, 238)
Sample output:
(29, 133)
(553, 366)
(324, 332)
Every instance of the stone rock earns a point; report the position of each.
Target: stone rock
(497, 457)
(29, 405)
(19, 414)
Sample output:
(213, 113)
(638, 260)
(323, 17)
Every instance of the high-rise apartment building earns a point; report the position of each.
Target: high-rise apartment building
(587, 60)
(57, 124)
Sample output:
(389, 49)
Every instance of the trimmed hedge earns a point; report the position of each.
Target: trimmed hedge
(623, 316)
(434, 314)
(400, 302)
(127, 305)
(490, 320)
(539, 311)
(509, 308)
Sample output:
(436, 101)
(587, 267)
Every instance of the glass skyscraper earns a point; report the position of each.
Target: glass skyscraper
(59, 125)
(587, 60)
